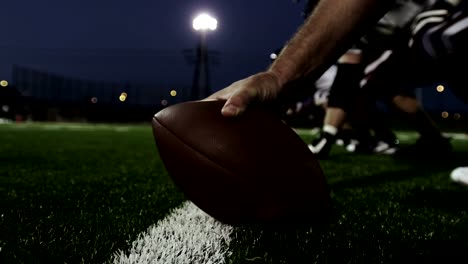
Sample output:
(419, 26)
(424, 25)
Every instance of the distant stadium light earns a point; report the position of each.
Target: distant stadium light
(205, 22)
(3, 83)
(273, 56)
(94, 100)
(173, 93)
(456, 116)
(444, 114)
(164, 102)
(440, 88)
(123, 97)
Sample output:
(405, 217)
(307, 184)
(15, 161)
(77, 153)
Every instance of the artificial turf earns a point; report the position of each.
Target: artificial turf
(78, 193)
(385, 210)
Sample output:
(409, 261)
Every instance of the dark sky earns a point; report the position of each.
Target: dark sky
(141, 41)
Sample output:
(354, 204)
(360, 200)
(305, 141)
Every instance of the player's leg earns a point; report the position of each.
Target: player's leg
(384, 140)
(393, 81)
(340, 100)
(431, 142)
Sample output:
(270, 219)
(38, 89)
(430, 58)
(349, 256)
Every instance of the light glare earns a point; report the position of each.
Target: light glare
(440, 88)
(173, 93)
(205, 22)
(3, 83)
(445, 114)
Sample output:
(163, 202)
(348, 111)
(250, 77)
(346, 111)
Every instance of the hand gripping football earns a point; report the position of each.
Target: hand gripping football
(251, 169)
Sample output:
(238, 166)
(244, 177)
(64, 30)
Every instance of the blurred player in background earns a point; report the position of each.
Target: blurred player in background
(351, 116)
(390, 35)
(441, 37)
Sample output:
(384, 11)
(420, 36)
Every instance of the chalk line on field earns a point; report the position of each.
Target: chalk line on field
(187, 235)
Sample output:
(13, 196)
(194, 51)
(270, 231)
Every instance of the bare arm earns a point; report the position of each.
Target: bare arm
(325, 35)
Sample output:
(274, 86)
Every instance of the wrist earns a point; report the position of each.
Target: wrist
(273, 82)
(277, 76)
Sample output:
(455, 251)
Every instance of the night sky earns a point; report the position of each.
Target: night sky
(141, 41)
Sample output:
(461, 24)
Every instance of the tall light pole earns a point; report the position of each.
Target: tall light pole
(203, 23)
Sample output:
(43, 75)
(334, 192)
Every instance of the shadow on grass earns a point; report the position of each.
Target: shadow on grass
(453, 200)
(381, 178)
(456, 158)
(419, 169)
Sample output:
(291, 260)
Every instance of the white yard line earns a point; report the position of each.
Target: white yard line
(458, 136)
(187, 235)
(69, 126)
(305, 131)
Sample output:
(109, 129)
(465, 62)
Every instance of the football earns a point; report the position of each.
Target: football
(250, 169)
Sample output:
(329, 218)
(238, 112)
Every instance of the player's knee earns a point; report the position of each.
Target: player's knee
(345, 86)
(352, 56)
(406, 103)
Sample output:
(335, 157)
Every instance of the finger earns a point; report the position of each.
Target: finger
(238, 102)
(211, 97)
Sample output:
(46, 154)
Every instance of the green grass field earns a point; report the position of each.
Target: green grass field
(78, 193)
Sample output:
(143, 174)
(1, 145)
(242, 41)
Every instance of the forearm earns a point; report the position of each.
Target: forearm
(325, 35)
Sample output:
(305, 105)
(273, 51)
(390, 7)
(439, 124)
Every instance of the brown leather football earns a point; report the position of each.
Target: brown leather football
(251, 169)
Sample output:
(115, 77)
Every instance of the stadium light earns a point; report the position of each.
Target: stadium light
(440, 88)
(173, 93)
(205, 22)
(273, 56)
(123, 97)
(3, 83)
